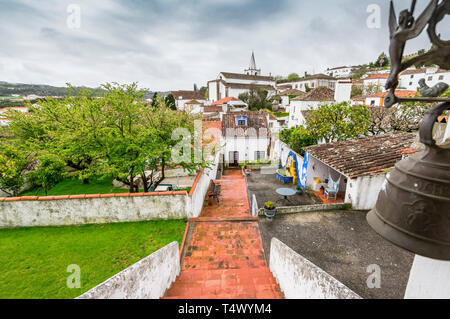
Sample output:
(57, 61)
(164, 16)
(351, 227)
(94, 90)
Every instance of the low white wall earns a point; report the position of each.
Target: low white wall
(149, 278)
(362, 192)
(200, 188)
(428, 279)
(98, 210)
(300, 279)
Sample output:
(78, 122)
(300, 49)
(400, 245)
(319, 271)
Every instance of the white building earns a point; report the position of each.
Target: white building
(409, 79)
(312, 82)
(229, 84)
(182, 97)
(246, 137)
(312, 100)
(339, 72)
(360, 165)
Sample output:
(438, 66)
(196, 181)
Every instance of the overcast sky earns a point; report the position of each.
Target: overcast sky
(171, 44)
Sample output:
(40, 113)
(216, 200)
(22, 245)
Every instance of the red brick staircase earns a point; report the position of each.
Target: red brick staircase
(224, 257)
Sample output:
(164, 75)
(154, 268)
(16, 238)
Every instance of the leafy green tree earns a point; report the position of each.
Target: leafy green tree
(256, 99)
(156, 100)
(50, 171)
(297, 138)
(356, 90)
(170, 102)
(13, 167)
(338, 122)
(293, 77)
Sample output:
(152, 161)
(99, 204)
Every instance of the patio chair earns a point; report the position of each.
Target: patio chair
(333, 187)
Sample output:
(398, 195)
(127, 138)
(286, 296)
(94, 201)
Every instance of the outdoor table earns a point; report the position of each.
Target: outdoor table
(285, 192)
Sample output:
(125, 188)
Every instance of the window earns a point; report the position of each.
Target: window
(410, 83)
(441, 77)
(312, 85)
(241, 122)
(430, 78)
(412, 76)
(372, 102)
(260, 155)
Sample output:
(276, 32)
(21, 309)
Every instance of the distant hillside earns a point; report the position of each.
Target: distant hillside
(9, 89)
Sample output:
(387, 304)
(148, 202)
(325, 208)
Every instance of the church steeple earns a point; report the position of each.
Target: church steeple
(252, 70)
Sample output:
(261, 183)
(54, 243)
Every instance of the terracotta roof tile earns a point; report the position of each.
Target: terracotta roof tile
(317, 94)
(256, 120)
(364, 156)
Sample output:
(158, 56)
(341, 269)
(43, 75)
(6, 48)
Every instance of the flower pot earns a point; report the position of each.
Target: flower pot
(270, 213)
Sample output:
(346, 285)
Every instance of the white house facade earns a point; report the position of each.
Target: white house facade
(339, 72)
(312, 82)
(409, 79)
(246, 137)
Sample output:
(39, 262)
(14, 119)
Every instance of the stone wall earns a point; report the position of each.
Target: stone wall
(149, 278)
(300, 279)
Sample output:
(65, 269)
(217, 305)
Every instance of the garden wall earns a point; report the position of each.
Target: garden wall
(149, 278)
(91, 209)
(30, 211)
(300, 279)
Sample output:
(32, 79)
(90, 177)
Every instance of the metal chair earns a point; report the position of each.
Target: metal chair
(333, 187)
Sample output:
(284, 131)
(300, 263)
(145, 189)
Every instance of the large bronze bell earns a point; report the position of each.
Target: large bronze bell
(413, 207)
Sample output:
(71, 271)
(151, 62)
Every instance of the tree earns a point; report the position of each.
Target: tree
(338, 122)
(356, 90)
(297, 138)
(170, 102)
(13, 166)
(256, 99)
(156, 100)
(49, 172)
(195, 87)
(293, 77)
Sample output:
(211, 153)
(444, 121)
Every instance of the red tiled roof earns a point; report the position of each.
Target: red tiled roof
(364, 156)
(377, 76)
(317, 94)
(209, 109)
(399, 93)
(293, 92)
(255, 119)
(224, 100)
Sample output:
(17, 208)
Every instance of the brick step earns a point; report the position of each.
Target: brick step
(225, 274)
(264, 291)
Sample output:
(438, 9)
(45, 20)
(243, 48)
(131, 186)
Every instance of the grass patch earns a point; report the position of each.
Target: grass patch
(34, 260)
(75, 186)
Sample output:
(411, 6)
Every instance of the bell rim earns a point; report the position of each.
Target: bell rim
(405, 241)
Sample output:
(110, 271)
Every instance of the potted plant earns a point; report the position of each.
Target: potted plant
(269, 210)
(299, 190)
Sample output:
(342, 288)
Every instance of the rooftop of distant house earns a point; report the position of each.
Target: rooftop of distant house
(212, 109)
(243, 76)
(364, 156)
(377, 76)
(318, 94)
(188, 95)
(398, 93)
(252, 119)
(338, 68)
(292, 92)
(319, 76)
(423, 71)
(225, 100)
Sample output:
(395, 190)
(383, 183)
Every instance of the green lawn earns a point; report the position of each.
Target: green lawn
(75, 186)
(34, 261)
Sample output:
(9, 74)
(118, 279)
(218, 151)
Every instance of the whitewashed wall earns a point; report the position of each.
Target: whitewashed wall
(59, 212)
(362, 192)
(197, 194)
(149, 278)
(428, 279)
(412, 83)
(300, 279)
(246, 146)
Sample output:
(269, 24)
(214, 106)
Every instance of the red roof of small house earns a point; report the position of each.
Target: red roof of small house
(377, 76)
(225, 100)
(403, 93)
(209, 109)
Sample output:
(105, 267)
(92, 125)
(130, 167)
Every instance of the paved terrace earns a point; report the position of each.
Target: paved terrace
(223, 257)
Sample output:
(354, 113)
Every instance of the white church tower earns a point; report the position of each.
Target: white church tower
(252, 70)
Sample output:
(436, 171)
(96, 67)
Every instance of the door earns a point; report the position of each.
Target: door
(234, 158)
